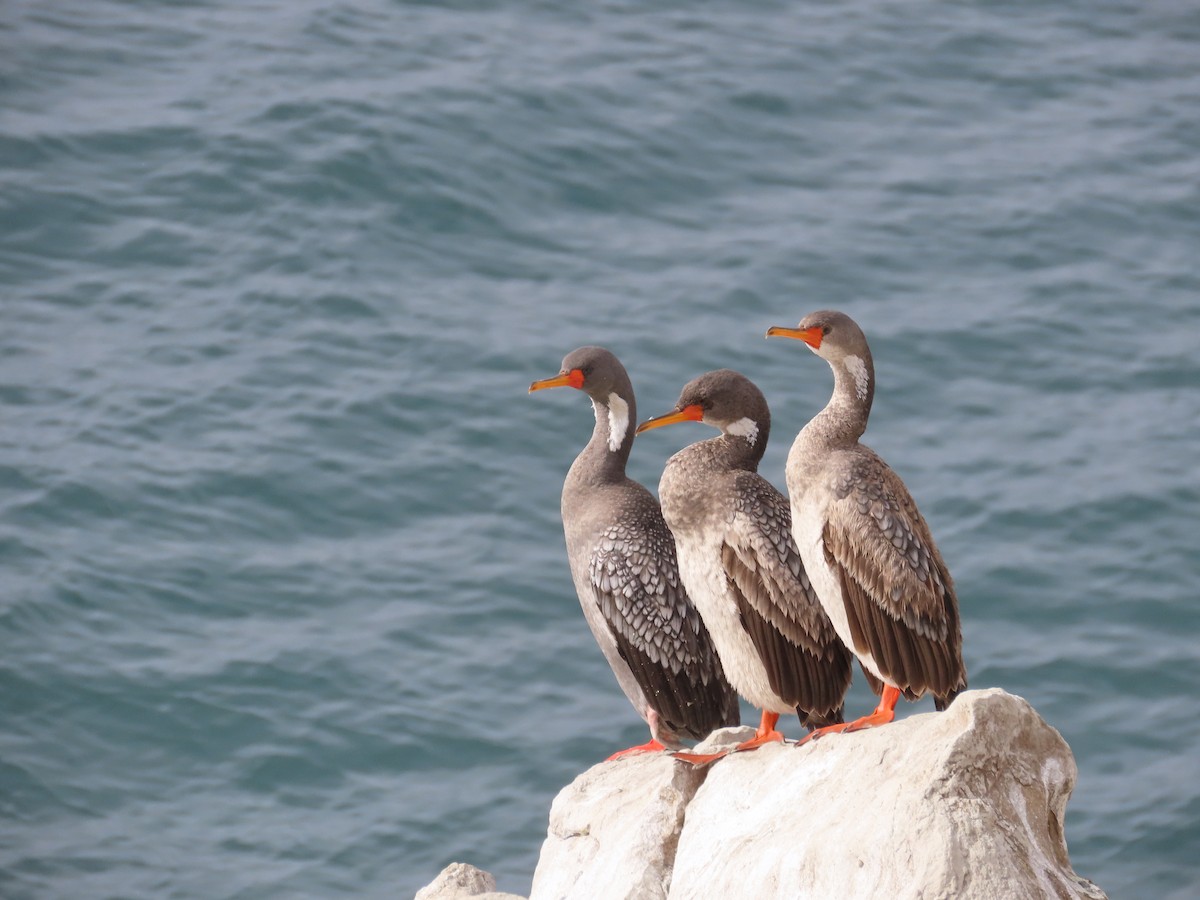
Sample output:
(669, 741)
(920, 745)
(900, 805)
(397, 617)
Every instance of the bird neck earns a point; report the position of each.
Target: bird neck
(605, 456)
(844, 418)
(741, 445)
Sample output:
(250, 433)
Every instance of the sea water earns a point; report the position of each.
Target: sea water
(286, 611)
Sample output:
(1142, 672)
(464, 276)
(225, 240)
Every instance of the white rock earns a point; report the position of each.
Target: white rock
(725, 739)
(958, 805)
(459, 881)
(968, 803)
(613, 831)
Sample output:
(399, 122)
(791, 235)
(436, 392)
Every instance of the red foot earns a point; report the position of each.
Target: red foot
(883, 713)
(700, 759)
(764, 734)
(649, 747)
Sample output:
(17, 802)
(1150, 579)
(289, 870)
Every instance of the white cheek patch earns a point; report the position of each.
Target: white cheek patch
(618, 421)
(744, 427)
(858, 369)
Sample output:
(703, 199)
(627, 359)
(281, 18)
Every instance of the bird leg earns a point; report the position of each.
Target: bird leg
(765, 733)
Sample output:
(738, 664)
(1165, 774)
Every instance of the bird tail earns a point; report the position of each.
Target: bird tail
(941, 701)
(814, 720)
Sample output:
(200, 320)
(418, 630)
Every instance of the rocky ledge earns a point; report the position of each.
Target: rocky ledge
(969, 803)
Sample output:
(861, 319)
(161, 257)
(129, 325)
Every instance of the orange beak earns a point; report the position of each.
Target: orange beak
(811, 336)
(691, 413)
(574, 379)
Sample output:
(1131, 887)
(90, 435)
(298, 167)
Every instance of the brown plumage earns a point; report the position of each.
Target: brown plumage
(867, 548)
(899, 597)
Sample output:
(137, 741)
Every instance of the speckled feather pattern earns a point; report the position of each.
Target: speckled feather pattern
(635, 576)
(628, 580)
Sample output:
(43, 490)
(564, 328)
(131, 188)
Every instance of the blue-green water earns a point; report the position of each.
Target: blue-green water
(285, 608)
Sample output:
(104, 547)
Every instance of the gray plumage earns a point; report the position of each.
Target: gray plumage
(739, 562)
(869, 551)
(624, 566)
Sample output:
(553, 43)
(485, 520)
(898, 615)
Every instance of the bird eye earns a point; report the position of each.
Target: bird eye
(825, 330)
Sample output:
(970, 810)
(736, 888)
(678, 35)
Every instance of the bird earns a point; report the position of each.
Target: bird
(623, 562)
(741, 566)
(865, 545)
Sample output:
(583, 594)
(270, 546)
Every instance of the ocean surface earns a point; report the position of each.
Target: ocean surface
(286, 611)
